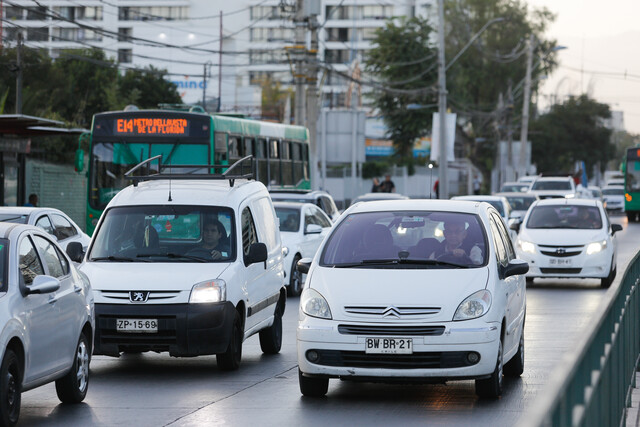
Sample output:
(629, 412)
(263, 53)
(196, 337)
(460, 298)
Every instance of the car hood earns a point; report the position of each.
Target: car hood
(561, 237)
(441, 290)
(142, 276)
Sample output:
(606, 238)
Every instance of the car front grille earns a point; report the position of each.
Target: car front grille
(421, 360)
(391, 330)
(385, 311)
(121, 296)
(561, 251)
(560, 270)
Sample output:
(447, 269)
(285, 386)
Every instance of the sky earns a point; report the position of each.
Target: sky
(602, 56)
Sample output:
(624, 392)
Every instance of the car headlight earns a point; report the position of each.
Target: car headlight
(527, 246)
(207, 292)
(596, 247)
(474, 306)
(313, 304)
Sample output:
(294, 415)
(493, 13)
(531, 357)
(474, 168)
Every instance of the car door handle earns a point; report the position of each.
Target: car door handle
(77, 289)
(52, 299)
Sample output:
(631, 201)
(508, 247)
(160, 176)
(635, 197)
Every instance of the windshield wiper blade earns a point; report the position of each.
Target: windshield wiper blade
(400, 261)
(114, 258)
(174, 255)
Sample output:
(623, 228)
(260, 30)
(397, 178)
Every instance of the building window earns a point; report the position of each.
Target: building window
(265, 12)
(124, 34)
(266, 56)
(36, 13)
(125, 56)
(14, 13)
(38, 34)
(153, 13)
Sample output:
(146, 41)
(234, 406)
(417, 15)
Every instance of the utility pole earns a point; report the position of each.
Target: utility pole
(299, 52)
(510, 166)
(19, 77)
(312, 100)
(443, 173)
(204, 86)
(220, 68)
(522, 169)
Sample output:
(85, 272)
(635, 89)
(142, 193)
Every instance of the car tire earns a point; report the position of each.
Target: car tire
(72, 388)
(515, 366)
(295, 279)
(271, 338)
(312, 387)
(230, 359)
(491, 388)
(605, 282)
(10, 388)
(529, 281)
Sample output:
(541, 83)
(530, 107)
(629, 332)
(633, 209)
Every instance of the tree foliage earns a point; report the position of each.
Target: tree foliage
(569, 132)
(403, 61)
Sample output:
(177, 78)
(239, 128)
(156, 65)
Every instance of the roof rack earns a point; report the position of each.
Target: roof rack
(238, 170)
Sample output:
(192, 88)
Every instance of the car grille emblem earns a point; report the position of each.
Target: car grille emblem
(138, 296)
(560, 251)
(391, 311)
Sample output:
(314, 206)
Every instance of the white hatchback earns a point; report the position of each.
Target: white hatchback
(46, 320)
(302, 228)
(569, 238)
(413, 290)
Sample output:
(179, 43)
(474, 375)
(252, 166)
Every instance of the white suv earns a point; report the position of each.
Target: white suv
(552, 187)
(190, 267)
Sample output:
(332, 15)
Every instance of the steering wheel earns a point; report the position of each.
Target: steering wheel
(200, 253)
(449, 257)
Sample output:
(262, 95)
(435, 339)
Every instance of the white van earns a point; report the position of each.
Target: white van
(190, 267)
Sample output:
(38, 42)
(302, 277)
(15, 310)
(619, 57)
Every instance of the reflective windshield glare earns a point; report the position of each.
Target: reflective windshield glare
(563, 216)
(165, 234)
(407, 240)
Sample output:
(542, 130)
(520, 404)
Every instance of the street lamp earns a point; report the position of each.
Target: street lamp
(430, 180)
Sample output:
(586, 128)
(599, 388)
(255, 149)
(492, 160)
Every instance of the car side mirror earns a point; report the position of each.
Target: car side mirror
(43, 285)
(304, 265)
(313, 229)
(515, 267)
(615, 228)
(515, 225)
(75, 251)
(257, 253)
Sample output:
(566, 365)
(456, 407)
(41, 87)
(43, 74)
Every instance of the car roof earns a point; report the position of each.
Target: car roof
(292, 205)
(568, 202)
(25, 210)
(418, 205)
(517, 194)
(188, 192)
(9, 228)
(515, 183)
(480, 198)
(311, 194)
(554, 178)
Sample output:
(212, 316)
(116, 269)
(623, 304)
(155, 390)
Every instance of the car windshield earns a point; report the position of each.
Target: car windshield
(4, 255)
(551, 185)
(516, 188)
(565, 216)
(407, 239)
(165, 234)
(17, 218)
(613, 191)
(520, 203)
(289, 218)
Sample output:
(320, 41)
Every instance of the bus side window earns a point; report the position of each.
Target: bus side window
(274, 162)
(247, 147)
(296, 156)
(261, 156)
(305, 162)
(220, 155)
(286, 164)
(234, 147)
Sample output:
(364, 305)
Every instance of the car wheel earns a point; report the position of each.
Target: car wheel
(295, 279)
(605, 282)
(529, 280)
(312, 387)
(230, 359)
(72, 388)
(271, 338)
(492, 387)
(10, 388)
(515, 366)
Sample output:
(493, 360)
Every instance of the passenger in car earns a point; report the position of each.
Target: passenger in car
(454, 248)
(214, 237)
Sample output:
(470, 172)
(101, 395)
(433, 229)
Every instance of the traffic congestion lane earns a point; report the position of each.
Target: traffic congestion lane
(151, 389)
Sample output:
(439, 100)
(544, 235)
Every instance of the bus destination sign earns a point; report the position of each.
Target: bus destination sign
(151, 126)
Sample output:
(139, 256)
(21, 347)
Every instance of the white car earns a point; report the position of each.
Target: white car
(515, 187)
(46, 320)
(413, 290)
(53, 221)
(548, 187)
(519, 202)
(302, 228)
(320, 198)
(614, 198)
(569, 238)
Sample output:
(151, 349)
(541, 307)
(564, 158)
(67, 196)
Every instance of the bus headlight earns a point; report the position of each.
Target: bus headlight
(208, 292)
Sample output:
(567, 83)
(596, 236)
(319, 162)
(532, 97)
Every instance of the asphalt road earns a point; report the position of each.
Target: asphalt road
(157, 390)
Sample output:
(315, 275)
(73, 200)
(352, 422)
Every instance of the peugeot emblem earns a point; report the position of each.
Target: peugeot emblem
(138, 296)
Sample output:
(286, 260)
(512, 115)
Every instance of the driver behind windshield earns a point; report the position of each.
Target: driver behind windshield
(454, 247)
(214, 237)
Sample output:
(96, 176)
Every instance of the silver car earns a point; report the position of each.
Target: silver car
(46, 319)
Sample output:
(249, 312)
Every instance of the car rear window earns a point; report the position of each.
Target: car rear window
(613, 192)
(520, 203)
(565, 216)
(405, 239)
(16, 218)
(552, 185)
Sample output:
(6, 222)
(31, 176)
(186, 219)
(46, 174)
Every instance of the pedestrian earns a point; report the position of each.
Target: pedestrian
(33, 200)
(375, 188)
(387, 186)
(436, 188)
(476, 185)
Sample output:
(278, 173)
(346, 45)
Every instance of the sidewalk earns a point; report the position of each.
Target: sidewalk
(633, 412)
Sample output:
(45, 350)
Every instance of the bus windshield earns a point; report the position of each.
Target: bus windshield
(633, 175)
(110, 161)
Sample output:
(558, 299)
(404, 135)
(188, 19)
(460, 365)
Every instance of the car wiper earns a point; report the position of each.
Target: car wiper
(431, 262)
(174, 255)
(400, 261)
(114, 258)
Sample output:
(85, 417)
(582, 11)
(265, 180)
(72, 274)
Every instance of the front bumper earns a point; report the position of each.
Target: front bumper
(580, 266)
(435, 358)
(183, 329)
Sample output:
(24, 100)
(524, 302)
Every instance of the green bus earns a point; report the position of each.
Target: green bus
(119, 140)
(631, 169)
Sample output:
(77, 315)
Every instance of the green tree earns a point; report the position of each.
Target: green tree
(572, 131)
(146, 89)
(274, 99)
(403, 61)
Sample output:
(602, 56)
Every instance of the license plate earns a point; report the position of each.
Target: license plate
(149, 326)
(388, 346)
(560, 261)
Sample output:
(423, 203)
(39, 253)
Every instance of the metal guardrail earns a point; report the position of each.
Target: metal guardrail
(592, 386)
